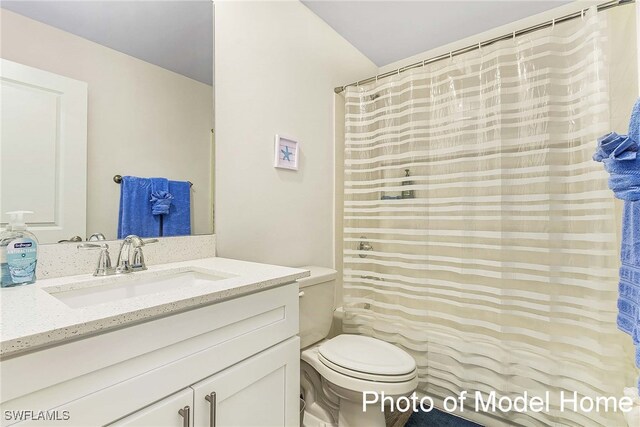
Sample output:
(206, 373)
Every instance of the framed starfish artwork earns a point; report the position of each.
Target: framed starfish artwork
(286, 153)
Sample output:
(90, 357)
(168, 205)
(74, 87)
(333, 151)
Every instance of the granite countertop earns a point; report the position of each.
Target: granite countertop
(32, 317)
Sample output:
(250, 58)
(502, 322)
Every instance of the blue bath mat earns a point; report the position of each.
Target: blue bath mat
(436, 418)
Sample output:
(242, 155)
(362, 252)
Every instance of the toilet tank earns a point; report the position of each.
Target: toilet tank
(316, 304)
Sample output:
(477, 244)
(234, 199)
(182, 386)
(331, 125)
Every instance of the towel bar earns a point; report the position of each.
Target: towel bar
(118, 180)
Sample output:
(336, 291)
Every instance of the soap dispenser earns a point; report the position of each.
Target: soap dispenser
(407, 194)
(18, 252)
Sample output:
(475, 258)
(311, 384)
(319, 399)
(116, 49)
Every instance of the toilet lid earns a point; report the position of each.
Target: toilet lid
(367, 355)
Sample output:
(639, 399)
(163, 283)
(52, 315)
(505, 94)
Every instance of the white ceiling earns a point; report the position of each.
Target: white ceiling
(176, 35)
(388, 31)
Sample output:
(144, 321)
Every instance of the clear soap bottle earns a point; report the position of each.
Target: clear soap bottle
(18, 252)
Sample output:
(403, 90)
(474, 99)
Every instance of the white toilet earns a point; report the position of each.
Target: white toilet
(335, 372)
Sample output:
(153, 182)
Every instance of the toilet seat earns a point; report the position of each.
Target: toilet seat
(366, 375)
(367, 358)
(359, 381)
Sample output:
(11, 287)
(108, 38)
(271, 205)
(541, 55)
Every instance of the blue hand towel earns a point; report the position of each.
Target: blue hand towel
(178, 221)
(619, 154)
(134, 216)
(160, 196)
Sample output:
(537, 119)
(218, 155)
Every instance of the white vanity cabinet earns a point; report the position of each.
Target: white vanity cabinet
(252, 393)
(244, 349)
(173, 411)
(249, 394)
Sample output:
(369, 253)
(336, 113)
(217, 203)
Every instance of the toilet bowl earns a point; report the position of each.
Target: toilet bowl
(336, 372)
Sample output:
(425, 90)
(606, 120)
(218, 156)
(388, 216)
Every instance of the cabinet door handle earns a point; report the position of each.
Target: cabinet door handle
(211, 398)
(186, 415)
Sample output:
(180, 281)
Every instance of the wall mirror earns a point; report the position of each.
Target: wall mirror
(92, 91)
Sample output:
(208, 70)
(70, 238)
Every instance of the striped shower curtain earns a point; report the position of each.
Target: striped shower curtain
(494, 262)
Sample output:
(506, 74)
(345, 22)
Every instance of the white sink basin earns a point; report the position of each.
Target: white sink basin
(130, 286)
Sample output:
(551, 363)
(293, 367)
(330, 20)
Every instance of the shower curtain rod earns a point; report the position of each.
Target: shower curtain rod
(578, 14)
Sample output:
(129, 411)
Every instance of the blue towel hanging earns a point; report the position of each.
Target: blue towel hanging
(135, 216)
(178, 221)
(154, 207)
(619, 154)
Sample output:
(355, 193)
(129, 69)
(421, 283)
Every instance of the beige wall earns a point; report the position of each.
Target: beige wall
(276, 66)
(143, 120)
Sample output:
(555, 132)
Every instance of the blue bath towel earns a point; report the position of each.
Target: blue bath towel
(178, 221)
(134, 216)
(619, 154)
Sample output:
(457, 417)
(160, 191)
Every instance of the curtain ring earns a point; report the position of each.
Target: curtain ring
(514, 35)
(553, 23)
(582, 14)
(423, 63)
(450, 55)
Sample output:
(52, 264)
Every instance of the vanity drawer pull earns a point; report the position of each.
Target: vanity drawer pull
(211, 398)
(300, 294)
(186, 415)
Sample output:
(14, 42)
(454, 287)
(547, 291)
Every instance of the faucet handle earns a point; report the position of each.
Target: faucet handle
(138, 241)
(91, 246)
(104, 267)
(138, 264)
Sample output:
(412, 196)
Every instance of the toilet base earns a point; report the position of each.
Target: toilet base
(335, 399)
(310, 420)
(321, 408)
(352, 415)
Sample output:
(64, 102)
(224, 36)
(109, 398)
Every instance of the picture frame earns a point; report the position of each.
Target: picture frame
(286, 153)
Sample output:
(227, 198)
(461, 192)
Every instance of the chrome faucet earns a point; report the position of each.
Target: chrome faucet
(130, 257)
(103, 268)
